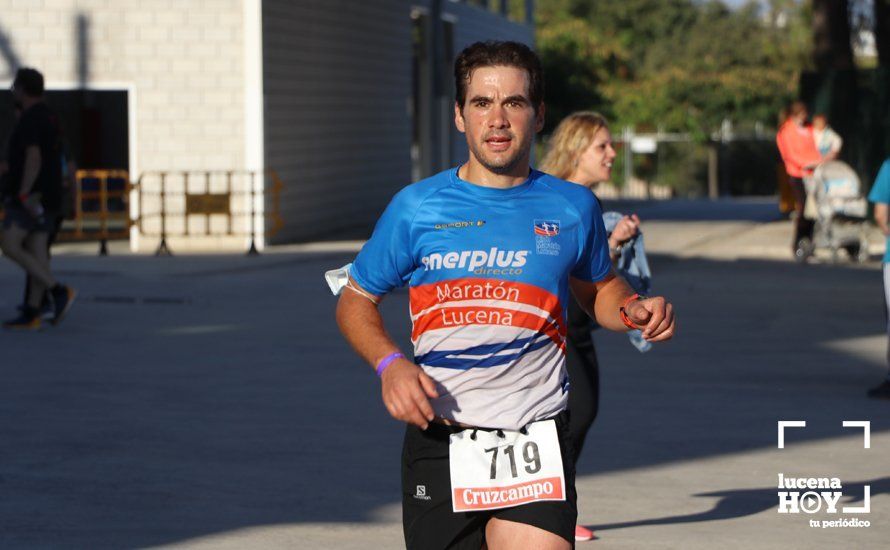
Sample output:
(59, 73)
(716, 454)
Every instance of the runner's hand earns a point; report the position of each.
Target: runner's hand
(626, 228)
(406, 391)
(654, 316)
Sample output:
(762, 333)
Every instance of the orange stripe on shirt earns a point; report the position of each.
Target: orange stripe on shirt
(473, 288)
(458, 317)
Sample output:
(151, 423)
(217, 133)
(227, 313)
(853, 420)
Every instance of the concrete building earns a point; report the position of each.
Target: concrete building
(346, 100)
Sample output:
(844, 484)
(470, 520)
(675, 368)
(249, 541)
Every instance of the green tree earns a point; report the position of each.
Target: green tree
(579, 64)
(678, 65)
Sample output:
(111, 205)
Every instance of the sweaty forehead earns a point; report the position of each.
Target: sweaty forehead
(498, 80)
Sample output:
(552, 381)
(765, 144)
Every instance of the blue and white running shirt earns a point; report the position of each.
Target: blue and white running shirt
(488, 274)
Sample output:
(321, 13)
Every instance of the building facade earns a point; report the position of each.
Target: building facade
(346, 100)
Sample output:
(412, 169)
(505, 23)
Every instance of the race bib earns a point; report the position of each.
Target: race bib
(494, 472)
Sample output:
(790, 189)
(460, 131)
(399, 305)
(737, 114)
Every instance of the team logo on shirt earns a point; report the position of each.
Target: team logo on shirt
(546, 228)
(545, 231)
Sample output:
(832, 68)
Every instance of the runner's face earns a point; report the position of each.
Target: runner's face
(595, 163)
(499, 119)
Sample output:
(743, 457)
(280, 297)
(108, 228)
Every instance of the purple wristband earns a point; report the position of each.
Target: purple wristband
(381, 366)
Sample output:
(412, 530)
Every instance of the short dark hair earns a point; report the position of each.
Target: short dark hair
(29, 81)
(493, 53)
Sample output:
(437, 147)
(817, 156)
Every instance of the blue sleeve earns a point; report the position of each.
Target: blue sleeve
(386, 261)
(880, 191)
(594, 263)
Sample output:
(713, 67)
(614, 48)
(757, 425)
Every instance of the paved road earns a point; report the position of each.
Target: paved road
(209, 402)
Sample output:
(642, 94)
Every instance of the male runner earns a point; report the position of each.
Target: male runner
(489, 250)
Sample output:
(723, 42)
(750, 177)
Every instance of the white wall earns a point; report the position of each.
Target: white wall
(183, 60)
(317, 90)
(337, 83)
(337, 77)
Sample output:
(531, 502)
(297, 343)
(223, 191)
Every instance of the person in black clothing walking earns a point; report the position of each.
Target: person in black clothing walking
(32, 196)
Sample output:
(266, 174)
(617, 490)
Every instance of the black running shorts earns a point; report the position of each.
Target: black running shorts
(427, 516)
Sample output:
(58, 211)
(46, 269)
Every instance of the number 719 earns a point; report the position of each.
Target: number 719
(529, 454)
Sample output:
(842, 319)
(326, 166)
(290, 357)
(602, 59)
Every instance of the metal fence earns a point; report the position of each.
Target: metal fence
(209, 203)
(99, 208)
(664, 165)
(171, 203)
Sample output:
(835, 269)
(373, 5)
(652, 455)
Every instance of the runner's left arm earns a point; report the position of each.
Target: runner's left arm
(603, 294)
(604, 299)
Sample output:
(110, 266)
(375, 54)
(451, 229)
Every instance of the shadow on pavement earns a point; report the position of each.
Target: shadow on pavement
(139, 425)
(745, 502)
(754, 209)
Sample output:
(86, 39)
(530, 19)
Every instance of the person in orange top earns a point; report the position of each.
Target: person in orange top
(800, 155)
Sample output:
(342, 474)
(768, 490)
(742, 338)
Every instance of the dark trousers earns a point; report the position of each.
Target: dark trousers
(804, 227)
(584, 376)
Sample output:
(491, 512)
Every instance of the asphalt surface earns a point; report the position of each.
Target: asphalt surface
(210, 402)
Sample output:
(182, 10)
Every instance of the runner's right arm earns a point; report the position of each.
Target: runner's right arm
(406, 389)
(880, 197)
(386, 262)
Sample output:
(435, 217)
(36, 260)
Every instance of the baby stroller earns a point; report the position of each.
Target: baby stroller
(836, 205)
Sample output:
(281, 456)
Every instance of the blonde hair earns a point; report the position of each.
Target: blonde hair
(570, 139)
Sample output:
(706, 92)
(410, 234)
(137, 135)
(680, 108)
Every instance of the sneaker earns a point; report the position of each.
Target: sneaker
(47, 311)
(28, 320)
(583, 533)
(881, 391)
(63, 299)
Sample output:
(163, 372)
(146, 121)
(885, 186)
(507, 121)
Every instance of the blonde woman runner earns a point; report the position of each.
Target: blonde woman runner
(580, 151)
